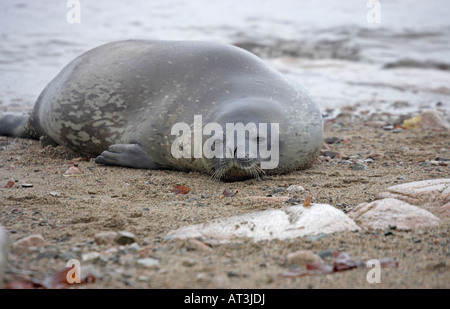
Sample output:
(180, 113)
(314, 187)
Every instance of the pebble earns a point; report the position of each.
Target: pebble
(389, 127)
(27, 185)
(189, 262)
(73, 171)
(333, 140)
(105, 238)
(134, 247)
(124, 238)
(295, 188)
(398, 130)
(55, 194)
(420, 193)
(90, 257)
(433, 120)
(143, 278)
(149, 263)
(358, 166)
(384, 213)
(35, 240)
(301, 258)
(332, 154)
(279, 190)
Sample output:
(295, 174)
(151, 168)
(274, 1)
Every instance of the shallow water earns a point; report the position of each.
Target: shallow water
(329, 47)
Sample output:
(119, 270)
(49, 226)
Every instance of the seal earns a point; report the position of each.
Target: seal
(119, 103)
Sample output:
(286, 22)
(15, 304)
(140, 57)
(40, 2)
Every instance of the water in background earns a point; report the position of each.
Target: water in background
(402, 63)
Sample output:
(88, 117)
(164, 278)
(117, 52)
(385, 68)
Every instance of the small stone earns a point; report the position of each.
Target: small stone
(381, 214)
(433, 120)
(105, 238)
(149, 263)
(55, 194)
(389, 127)
(279, 190)
(332, 154)
(124, 238)
(202, 277)
(359, 166)
(302, 258)
(398, 130)
(27, 185)
(194, 244)
(295, 188)
(143, 278)
(435, 192)
(189, 262)
(31, 241)
(73, 171)
(134, 247)
(333, 140)
(90, 257)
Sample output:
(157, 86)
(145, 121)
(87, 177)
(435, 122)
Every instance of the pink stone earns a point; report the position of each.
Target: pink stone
(31, 241)
(388, 212)
(105, 238)
(420, 193)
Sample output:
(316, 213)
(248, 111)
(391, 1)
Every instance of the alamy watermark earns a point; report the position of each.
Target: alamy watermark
(74, 274)
(374, 274)
(73, 16)
(374, 14)
(251, 136)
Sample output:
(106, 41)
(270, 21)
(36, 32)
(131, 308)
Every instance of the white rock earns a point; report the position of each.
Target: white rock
(295, 188)
(433, 120)
(90, 257)
(148, 263)
(287, 223)
(384, 213)
(4, 244)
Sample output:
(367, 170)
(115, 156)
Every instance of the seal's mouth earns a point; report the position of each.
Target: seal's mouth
(237, 169)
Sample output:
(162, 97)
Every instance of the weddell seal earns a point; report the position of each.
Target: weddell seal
(172, 105)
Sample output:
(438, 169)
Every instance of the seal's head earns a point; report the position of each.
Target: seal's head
(245, 140)
(262, 136)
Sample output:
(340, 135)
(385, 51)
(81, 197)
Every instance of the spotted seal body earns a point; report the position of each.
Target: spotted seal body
(119, 102)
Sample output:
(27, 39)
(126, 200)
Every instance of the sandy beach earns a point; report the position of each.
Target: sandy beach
(69, 211)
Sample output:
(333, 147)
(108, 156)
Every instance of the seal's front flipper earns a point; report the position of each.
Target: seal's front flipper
(130, 155)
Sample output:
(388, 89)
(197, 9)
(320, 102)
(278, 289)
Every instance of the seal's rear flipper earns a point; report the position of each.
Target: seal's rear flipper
(16, 126)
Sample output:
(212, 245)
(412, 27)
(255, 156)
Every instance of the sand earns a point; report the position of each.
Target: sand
(69, 211)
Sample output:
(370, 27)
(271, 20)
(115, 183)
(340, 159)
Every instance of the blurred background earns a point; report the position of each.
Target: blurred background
(345, 60)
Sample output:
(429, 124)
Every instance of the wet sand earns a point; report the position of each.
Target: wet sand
(69, 211)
